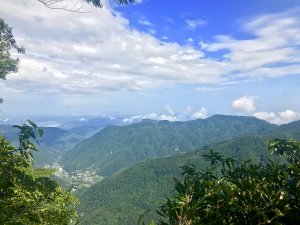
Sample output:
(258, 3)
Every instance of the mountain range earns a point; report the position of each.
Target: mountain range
(128, 193)
(117, 147)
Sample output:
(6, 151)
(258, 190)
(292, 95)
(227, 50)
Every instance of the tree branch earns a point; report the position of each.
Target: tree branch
(56, 4)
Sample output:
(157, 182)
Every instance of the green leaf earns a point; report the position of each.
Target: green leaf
(40, 132)
(32, 124)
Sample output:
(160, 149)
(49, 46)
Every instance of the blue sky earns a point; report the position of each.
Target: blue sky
(157, 59)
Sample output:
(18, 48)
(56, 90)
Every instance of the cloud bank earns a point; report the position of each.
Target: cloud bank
(278, 118)
(100, 51)
(171, 115)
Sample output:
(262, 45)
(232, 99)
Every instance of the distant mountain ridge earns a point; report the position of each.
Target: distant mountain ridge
(115, 147)
(55, 142)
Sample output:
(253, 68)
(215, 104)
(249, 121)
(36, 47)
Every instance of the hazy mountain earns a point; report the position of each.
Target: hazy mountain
(55, 142)
(116, 147)
(88, 126)
(85, 131)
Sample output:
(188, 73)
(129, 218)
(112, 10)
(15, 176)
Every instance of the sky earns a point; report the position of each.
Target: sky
(156, 59)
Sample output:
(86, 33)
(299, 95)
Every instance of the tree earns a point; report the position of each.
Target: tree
(28, 195)
(56, 4)
(7, 43)
(231, 193)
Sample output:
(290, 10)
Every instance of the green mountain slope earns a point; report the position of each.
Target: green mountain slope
(114, 147)
(121, 198)
(287, 130)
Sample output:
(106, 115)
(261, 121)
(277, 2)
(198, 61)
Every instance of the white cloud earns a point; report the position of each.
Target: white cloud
(191, 40)
(208, 89)
(138, 1)
(132, 119)
(136, 118)
(168, 117)
(273, 51)
(194, 24)
(99, 51)
(187, 114)
(151, 116)
(203, 45)
(4, 120)
(245, 104)
(145, 22)
(201, 114)
(170, 110)
(278, 118)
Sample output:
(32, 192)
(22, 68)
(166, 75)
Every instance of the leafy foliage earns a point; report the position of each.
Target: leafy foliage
(227, 192)
(98, 3)
(7, 43)
(28, 195)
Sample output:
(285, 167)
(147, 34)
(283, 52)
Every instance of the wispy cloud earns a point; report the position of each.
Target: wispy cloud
(272, 52)
(193, 24)
(208, 89)
(138, 1)
(145, 22)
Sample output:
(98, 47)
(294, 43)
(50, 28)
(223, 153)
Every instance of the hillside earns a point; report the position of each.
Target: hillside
(123, 197)
(116, 147)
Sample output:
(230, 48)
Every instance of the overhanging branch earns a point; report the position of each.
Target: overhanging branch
(59, 4)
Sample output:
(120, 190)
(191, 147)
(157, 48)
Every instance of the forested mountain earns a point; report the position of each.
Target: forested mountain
(126, 195)
(123, 197)
(287, 130)
(116, 147)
